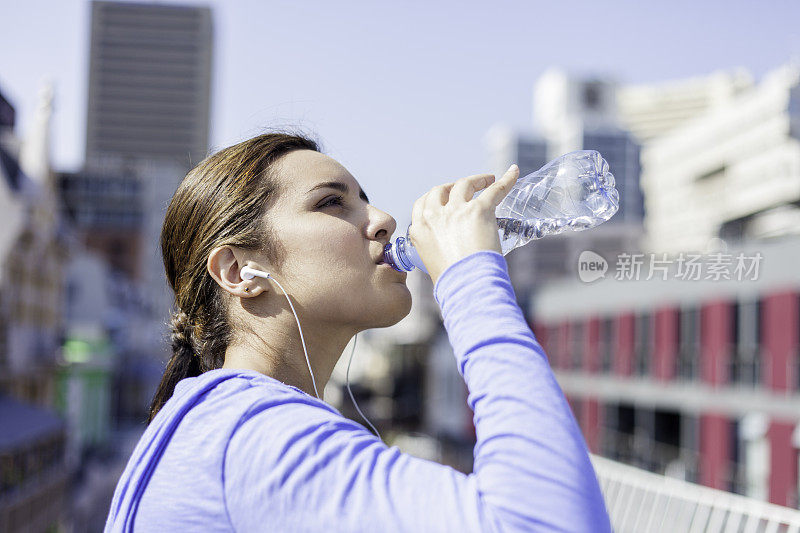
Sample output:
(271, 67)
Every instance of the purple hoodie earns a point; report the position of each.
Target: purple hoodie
(236, 450)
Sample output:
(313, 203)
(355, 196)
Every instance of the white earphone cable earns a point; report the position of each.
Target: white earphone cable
(308, 362)
(351, 392)
(313, 381)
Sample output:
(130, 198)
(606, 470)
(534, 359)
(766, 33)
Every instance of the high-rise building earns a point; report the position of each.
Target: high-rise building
(572, 113)
(732, 174)
(507, 146)
(147, 124)
(564, 105)
(526, 266)
(621, 152)
(654, 109)
(684, 363)
(576, 113)
(149, 82)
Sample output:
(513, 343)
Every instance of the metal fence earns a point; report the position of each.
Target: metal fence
(640, 501)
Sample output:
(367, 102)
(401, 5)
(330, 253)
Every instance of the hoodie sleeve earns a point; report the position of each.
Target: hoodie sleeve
(296, 467)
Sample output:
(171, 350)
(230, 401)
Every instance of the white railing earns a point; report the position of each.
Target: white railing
(640, 501)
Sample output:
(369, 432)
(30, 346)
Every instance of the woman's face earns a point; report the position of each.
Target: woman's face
(333, 239)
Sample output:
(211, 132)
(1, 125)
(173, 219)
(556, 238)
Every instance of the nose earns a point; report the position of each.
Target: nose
(381, 225)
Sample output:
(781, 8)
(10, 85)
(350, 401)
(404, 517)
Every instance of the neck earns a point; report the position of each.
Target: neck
(280, 353)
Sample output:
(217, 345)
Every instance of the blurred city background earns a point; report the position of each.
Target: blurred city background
(680, 358)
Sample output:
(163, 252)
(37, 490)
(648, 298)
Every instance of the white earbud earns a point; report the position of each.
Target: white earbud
(249, 273)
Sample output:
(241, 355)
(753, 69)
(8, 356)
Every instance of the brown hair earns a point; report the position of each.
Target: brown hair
(220, 202)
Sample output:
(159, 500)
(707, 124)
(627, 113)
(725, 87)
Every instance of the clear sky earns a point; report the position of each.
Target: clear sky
(401, 93)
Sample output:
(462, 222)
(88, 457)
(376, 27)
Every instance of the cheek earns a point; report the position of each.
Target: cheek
(333, 284)
(337, 245)
(323, 255)
(330, 266)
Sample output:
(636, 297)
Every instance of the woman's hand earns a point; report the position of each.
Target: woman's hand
(448, 224)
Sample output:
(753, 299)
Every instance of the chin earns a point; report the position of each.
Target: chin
(398, 311)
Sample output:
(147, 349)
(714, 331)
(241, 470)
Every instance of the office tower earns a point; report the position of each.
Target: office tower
(576, 113)
(621, 152)
(507, 146)
(147, 119)
(526, 266)
(149, 82)
(571, 113)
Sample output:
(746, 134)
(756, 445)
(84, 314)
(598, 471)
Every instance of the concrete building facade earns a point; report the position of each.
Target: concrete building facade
(149, 81)
(654, 109)
(733, 174)
(693, 378)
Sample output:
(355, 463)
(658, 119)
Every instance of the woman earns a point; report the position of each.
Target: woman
(239, 438)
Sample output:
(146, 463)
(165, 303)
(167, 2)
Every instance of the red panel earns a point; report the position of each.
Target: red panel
(666, 343)
(562, 357)
(783, 464)
(714, 451)
(592, 424)
(591, 351)
(715, 342)
(623, 356)
(540, 332)
(779, 340)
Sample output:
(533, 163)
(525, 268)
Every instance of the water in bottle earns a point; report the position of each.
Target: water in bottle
(573, 192)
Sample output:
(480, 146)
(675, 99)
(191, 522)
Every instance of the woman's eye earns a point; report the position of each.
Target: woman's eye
(333, 200)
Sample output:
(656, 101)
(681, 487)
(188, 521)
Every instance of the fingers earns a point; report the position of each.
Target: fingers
(498, 190)
(441, 193)
(416, 211)
(465, 188)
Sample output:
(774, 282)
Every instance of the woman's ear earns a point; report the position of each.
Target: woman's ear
(224, 264)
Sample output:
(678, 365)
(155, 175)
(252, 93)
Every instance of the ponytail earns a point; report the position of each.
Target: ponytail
(184, 362)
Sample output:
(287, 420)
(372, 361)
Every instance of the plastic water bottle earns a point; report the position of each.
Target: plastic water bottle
(575, 191)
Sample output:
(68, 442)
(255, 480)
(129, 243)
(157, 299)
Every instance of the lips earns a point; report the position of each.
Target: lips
(381, 258)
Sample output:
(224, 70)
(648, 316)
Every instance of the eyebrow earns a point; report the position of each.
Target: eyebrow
(339, 186)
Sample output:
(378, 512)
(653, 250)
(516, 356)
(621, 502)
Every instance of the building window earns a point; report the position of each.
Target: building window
(745, 360)
(688, 343)
(592, 93)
